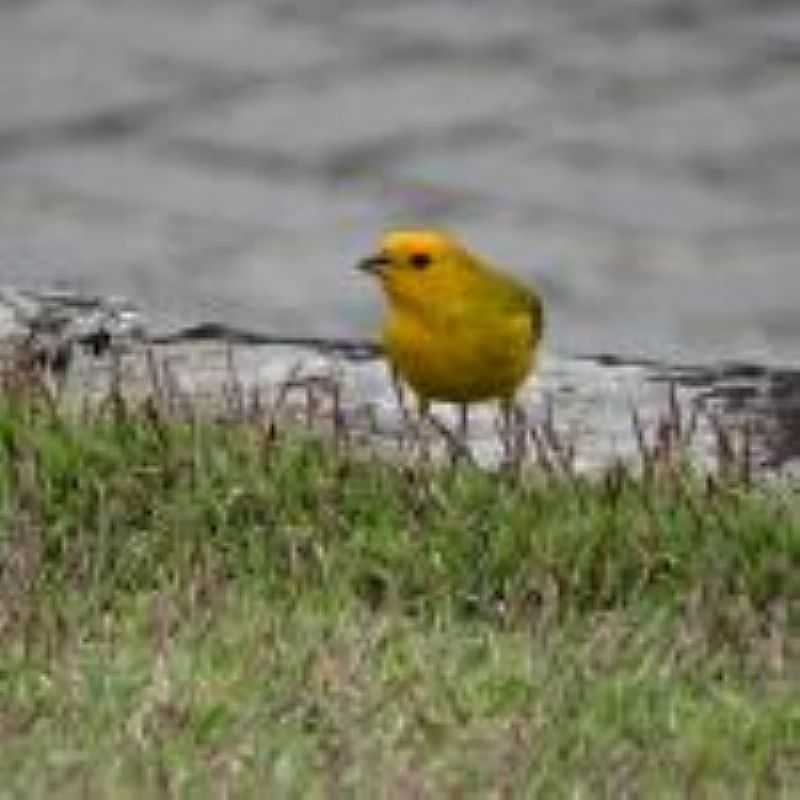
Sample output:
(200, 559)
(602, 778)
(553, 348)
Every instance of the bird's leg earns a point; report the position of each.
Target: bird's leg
(460, 447)
(507, 429)
(463, 421)
(424, 414)
(423, 407)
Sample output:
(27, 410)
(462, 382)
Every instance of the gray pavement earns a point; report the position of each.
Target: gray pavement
(638, 159)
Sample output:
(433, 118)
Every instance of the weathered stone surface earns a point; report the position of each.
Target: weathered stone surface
(624, 198)
(145, 180)
(197, 40)
(326, 125)
(52, 85)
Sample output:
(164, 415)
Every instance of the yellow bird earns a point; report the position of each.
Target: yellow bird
(456, 328)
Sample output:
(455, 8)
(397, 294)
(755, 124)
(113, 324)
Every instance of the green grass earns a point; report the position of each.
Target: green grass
(215, 610)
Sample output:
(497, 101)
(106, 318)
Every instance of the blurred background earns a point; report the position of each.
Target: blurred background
(230, 160)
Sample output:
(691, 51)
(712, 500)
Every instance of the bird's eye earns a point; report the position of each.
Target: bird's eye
(420, 260)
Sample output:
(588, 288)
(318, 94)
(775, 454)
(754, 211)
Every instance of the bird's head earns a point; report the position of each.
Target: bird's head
(418, 266)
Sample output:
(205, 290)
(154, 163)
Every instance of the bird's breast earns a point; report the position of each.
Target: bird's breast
(461, 359)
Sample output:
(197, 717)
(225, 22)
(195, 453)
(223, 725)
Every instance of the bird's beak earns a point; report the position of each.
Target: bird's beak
(374, 264)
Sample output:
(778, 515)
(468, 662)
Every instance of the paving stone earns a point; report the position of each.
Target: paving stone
(464, 25)
(639, 66)
(776, 31)
(227, 38)
(139, 178)
(235, 250)
(47, 79)
(52, 240)
(736, 132)
(618, 195)
(317, 125)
